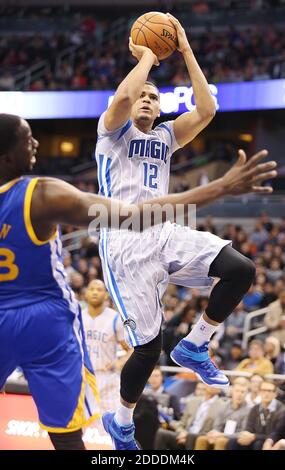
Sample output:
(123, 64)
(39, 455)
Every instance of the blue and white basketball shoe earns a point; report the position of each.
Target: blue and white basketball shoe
(196, 358)
(123, 437)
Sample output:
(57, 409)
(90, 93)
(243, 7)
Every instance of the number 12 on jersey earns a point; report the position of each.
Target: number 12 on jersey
(150, 171)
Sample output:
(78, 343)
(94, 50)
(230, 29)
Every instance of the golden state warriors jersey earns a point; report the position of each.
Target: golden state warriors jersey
(31, 270)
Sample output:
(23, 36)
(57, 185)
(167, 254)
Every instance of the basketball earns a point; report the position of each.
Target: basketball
(155, 30)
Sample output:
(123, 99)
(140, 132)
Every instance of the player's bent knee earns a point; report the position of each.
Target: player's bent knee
(247, 270)
(232, 265)
(139, 365)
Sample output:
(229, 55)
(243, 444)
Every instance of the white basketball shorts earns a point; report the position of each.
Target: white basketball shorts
(137, 268)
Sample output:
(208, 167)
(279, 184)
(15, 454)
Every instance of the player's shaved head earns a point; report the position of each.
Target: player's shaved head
(9, 129)
(18, 148)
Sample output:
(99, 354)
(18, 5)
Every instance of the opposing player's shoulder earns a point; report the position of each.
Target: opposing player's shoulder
(47, 188)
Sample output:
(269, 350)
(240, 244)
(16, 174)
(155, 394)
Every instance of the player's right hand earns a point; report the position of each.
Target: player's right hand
(139, 51)
(247, 176)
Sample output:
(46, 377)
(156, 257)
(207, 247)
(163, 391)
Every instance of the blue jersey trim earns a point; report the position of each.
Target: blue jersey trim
(125, 129)
(100, 176)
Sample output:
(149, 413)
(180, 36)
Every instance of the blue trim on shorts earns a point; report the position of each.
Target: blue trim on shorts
(118, 300)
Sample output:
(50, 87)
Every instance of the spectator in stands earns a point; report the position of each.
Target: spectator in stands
(230, 420)
(275, 270)
(233, 327)
(256, 362)
(269, 295)
(259, 235)
(76, 281)
(198, 417)
(227, 55)
(185, 390)
(7, 82)
(170, 403)
(252, 299)
(200, 390)
(253, 397)
(275, 317)
(279, 367)
(83, 269)
(262, 420)
(235, 356)
(175, 329)
(278, 287)
(67, 263)
(272, 348)
(266, 222)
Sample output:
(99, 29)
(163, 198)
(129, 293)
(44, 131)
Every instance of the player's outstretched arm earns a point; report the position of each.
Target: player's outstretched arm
(130, 88)
(189, 124)
(244, 177)
(56, 202)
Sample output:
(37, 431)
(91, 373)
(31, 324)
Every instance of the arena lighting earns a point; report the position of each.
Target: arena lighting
(246, 137)
(66, 147)
(242, 96)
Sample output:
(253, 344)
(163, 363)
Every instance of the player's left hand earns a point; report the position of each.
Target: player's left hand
(183, 43)
(247, 176)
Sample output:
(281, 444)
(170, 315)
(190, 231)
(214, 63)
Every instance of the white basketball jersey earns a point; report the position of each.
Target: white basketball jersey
(102, 334)
(134, 166)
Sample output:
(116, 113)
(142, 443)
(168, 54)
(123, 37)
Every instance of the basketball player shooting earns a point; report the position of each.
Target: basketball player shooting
(133, 165)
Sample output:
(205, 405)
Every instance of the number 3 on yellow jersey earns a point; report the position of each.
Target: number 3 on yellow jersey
(7, 258)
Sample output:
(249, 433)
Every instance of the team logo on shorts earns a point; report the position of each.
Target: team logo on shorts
(131, 323)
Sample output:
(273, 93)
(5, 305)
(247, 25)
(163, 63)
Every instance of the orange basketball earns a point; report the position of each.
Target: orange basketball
(155, 30)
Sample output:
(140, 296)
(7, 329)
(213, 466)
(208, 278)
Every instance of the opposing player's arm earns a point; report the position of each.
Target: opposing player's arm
(57, 202)
(188, 125)
(242, 178)
(130, 88)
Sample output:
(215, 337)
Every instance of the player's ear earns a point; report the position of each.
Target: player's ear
(106, 296)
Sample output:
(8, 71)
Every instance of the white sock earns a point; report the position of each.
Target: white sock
(201, 332)
(124, 415)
